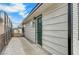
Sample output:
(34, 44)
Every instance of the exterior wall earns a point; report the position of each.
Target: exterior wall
(5, 30)
(17, 32)
(1, 28)
(75, 29)
(55, 29)
(29, 31)
(1, 36)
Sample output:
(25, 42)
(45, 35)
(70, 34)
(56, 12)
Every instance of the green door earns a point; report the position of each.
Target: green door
(39, 30)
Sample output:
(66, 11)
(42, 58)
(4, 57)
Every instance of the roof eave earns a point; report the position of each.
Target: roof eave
(33, 10)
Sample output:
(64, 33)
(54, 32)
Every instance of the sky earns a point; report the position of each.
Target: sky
(17, 11)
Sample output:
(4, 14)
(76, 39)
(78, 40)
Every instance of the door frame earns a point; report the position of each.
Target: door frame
(36, 37)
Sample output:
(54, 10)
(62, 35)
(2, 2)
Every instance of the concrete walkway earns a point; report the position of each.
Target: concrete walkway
(21, 46)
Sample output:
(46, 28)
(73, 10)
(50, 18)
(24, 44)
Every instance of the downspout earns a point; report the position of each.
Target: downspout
(70, 29)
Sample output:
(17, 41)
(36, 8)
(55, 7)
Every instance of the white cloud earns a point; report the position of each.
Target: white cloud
(23, 14)
(13, 8)
(18, 1)
(18, 7)
(15, 21)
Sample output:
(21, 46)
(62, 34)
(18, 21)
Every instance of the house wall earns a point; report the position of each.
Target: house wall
(1, 28)
(29, 31)
(75, 29)
(1, 36)
(17, 32)
(54, 28)
(5, 30)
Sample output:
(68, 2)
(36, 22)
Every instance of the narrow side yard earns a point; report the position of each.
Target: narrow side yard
(21, 46)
